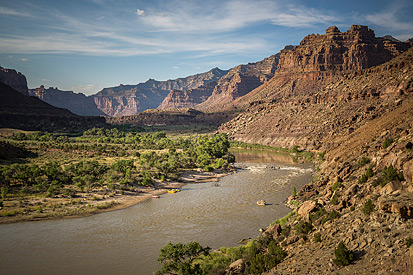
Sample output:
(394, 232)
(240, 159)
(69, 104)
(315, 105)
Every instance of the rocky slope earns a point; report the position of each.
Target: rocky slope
(314, 94)
(132, 99)
(24, 112)
(77, 103)
(357, 117)
(239, 81)
(14, 79)
(372, 207)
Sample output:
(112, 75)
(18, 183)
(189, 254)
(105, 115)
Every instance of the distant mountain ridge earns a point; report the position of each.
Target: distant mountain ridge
(25, 112)
(132, 99)
(77, 103)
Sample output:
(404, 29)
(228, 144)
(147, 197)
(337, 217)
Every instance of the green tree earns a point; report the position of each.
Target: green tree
(177, 258)
(343, 255)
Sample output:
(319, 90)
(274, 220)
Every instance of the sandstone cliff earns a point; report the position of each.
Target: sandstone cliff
(313, 94)
(239, 81)
(178, 99)
(14, 79)
(77, 103)
(132, 99)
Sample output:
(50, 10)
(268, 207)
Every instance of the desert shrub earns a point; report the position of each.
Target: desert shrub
(387, 143)
(317, 237)
(334, 200)
(363, 162)
(389, 174)
(368, 174)
(303, 228)
(318, 214)
(409, 242)
(343, 255)
(331, 216)
(337, 185)
(368, 207)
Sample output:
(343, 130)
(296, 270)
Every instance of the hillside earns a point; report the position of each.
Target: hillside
(77, 103)
(14, 79)
(323, 96)
(24, 112)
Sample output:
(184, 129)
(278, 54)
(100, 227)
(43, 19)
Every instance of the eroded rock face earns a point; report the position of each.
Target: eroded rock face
(125, 100)
(239, 81)
(307, 102)
(77, 103)
(14, 79)
(178, 99)
(356, 49)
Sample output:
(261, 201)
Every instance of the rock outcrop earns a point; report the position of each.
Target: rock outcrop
(178, 99)
(77, 103)
(239, 81)
(14, 79)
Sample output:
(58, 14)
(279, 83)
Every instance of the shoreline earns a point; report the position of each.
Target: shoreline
(116, 201)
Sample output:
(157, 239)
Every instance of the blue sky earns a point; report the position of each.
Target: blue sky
(88, 45)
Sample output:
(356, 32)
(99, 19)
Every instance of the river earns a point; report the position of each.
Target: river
(128, 241)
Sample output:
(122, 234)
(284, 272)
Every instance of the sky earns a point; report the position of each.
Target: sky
(84, 46)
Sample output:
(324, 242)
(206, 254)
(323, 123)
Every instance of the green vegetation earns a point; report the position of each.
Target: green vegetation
(317, 237)
(282, 221)
(363, 162)
(387, 143)
(101, 162)
(294, 193)
(303, 228)
(368, 174)
(257, 256)
(368, 207)
(343, 255)
(389, 174)
(409, 242)
(178, 258)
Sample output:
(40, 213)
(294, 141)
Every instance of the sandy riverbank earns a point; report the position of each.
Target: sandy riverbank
(88, 204)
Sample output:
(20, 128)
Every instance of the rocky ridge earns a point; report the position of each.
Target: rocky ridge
(239, 81)
(77, 103)
(14, 79)
(19, 111)
(132, 99)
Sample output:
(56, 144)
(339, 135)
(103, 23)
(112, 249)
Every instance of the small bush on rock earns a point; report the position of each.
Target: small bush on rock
(368, 207)
(343, 255)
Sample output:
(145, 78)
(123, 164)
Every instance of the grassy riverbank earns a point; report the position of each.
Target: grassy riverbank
(47, 176)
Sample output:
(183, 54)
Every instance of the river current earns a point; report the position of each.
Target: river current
(128, 241)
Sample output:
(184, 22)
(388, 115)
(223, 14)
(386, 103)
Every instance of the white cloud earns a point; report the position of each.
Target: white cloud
(233, 15)
(140, 12)
(7, 11)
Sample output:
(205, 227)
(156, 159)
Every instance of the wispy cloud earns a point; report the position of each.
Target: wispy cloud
(192, 27)
(232, 15)
(390, 19)
(8, 11)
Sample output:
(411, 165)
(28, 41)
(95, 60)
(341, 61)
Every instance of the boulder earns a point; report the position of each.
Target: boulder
(307, 208)
(391, 187)
(261, 202)
(273, 231)
(408, 171)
